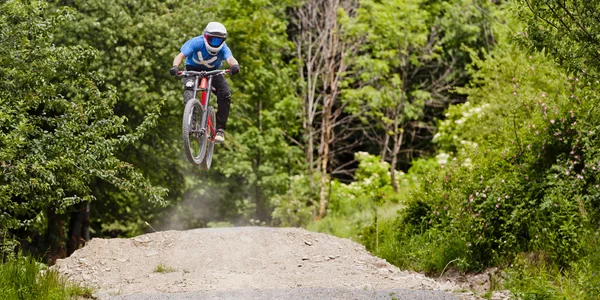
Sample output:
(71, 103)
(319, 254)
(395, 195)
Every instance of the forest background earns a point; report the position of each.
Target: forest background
(454, 134)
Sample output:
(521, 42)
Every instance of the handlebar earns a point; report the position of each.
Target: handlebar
(203, 73)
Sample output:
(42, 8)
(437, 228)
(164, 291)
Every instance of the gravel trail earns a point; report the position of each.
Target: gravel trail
(244, 263)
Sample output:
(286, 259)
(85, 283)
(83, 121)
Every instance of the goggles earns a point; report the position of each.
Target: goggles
(214, 41)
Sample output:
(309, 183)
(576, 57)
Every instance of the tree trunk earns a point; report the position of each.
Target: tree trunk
(308, 51)
(398, 127)
(321, 53)
(260, 212)
(55, 237)
(310, 159)
(386, 141)
(330, 81)
(325, 139)
(79, 227)
(397, 143)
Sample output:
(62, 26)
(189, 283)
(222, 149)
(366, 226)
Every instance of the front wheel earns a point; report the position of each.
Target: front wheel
(194, 140)
(212, 132)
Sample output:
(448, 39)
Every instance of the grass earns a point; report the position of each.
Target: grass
(26, 278)
(531, 278)
(164, 269)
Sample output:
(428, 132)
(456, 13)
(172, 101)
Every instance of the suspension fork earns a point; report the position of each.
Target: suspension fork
(196, 78)
(205, 106)
(195, 92)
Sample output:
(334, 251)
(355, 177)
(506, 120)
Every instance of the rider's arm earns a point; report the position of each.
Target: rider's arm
(232, 61)
(178, 59)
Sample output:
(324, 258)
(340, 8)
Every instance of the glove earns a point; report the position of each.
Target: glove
(235, 69)
(174, 70)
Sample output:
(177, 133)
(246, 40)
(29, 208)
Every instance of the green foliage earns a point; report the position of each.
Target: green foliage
(433, 251)
(164, 269)
(25, 278)
(354, 206)
(533, 276)
(410, 239)
(412, 55)
(136, 42)
(58, 132)
(524, 129)
(294, 208)
(515, 183)
(219, 225)
(394, 34)
(575, 22)
(259, 161)
(516, 178)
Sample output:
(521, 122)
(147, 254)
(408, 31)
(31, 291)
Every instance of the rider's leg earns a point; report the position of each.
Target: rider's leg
(223, 99)
(188, 89)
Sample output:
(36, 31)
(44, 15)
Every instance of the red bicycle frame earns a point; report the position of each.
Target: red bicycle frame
(205, 86)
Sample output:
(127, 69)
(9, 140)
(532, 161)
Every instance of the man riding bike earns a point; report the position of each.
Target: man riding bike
(206, 53)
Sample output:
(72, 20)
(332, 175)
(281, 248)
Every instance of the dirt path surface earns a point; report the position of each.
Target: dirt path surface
(240, 261)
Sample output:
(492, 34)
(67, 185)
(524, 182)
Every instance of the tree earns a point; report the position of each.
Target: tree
(264, 109)
(575, 22)
(136, 42)
(415, 54)
(321, 53)
(58, 132)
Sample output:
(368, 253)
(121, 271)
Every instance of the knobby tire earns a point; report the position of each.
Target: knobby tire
(194, 143)
(211, 130)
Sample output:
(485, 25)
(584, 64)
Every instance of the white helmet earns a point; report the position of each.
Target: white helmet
(214, 37)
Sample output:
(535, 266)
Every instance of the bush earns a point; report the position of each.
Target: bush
(517, 171)
(295, 208)
(415, 247)
(357, 205)
(25, 278)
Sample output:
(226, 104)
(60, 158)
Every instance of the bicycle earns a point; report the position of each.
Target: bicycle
(199, 138)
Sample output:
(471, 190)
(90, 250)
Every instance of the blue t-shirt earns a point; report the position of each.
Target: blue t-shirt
(197, 55)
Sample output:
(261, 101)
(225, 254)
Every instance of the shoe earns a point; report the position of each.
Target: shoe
(220, 137)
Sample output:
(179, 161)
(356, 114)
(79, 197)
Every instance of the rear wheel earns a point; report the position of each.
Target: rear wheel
(194, 142)
(211, 122)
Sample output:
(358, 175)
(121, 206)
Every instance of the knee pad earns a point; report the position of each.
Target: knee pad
(225, 96)
(189, 84)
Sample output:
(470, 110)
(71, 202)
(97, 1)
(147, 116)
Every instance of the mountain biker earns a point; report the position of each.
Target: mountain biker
(206, 53)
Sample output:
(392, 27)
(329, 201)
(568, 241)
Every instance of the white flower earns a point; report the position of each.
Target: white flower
(442, 158)
(467, 163)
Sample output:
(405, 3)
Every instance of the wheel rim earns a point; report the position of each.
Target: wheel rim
(210, 127)
(194, 134)
(194, 141)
